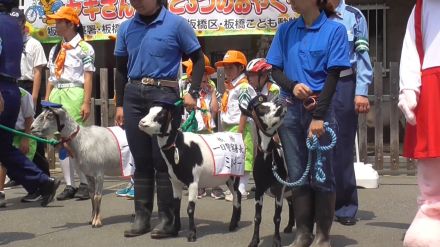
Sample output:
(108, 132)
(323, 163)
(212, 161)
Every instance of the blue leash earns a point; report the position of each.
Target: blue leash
(312, 145)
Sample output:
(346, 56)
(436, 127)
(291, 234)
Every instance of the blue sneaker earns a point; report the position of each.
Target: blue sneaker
(123, 192)
(130, 193)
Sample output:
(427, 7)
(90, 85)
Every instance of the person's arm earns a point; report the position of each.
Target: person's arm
(49, 87)
(299, 90)
(2, 103)
(85, 108)
(24, 144)
(214, 102)
(38, 73)
(326, 95)
(121, 79)
(364, 70)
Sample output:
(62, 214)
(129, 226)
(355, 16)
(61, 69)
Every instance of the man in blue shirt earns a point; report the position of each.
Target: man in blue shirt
(19, 168)
(149, 49)
(351, 98)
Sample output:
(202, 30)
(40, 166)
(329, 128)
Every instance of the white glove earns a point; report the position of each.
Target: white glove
(407, 103)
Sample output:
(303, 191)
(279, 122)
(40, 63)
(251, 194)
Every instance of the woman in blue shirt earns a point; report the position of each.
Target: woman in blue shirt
(307, 55)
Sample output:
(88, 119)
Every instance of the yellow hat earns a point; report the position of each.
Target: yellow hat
(66, 13)
(232, 57)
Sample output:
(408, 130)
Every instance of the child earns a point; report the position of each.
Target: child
(25, 145)
(258, 73)
(238, 94)
(207, 101)
(71, 66)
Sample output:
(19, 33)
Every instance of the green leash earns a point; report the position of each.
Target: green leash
(38, 139)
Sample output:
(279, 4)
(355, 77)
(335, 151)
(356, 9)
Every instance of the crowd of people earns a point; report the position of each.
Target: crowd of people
(318, 65)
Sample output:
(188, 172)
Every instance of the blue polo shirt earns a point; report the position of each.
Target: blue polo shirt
(155, 50)
(11, 46)
(305, 54)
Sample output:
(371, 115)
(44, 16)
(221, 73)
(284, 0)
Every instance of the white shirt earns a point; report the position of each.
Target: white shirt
(199, 115)
(26, 109)
(410, 62)
(78, 60)
(239, 95)
(32, 56)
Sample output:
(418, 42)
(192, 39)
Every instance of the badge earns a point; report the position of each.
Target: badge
(176, 156)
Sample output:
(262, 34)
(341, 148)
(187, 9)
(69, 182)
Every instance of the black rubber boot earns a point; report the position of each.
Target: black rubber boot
(143, 206)
(165, 203)
(303, 206)
(324, 212)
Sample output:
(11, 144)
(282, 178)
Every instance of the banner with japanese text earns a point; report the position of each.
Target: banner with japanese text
(100, 18)
(233, 17)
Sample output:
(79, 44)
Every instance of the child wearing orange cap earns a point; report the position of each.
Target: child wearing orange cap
(208, 101)
(71, 66)
(237, 95)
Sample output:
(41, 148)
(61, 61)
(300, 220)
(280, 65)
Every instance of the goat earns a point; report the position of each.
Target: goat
(189, 161)
(268, 116)
(95, 149)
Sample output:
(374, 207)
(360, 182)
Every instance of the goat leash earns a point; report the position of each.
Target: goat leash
(312, 145)
(38, 139)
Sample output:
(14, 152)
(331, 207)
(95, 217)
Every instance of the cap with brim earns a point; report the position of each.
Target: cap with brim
(232, 57)
(18, 13)
(189, 66)
(47, 104)
(66, 13)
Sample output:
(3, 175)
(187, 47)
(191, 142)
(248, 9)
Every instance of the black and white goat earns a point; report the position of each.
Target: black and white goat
(95, 149)
(267, 116)
(189, 163)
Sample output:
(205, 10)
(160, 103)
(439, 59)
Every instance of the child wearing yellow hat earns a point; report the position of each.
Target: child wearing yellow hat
(237, 95)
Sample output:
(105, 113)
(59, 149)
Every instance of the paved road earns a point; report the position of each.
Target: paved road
(384, 215)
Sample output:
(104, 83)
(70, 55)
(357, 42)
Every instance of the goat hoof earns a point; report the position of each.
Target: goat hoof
(254, 243)
(276, 243)
(233, 226)
(192, 237)
(288, 229)
(90, 222)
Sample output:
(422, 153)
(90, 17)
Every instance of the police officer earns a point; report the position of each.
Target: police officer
(350, 99)
(148, 52)
(19, 168)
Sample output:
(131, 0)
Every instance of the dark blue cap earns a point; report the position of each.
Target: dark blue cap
(50, 104)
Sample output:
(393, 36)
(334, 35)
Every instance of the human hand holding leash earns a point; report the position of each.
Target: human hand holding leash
(316, 128)
(301, 91)
(189, 102)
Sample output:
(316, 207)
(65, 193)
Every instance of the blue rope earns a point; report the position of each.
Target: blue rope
(312, 145)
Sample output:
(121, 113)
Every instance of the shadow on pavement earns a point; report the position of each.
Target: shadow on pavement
(365, 215)
(209, 227)
(8, 237)
(395, 225)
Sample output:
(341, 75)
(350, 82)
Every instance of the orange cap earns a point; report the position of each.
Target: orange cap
(208, 69)
(231, 57)
(66, 13)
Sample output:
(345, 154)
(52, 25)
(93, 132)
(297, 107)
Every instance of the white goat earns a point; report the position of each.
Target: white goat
(189, 161)
(95, 149)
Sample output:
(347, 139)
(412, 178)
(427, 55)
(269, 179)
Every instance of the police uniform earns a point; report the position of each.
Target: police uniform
(353, 82)
(19, 168)
(154, 52)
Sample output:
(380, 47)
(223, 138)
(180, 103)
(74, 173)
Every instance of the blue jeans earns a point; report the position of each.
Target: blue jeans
(19, 168)
(293, 133)
(346, 191)
(138, 99)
